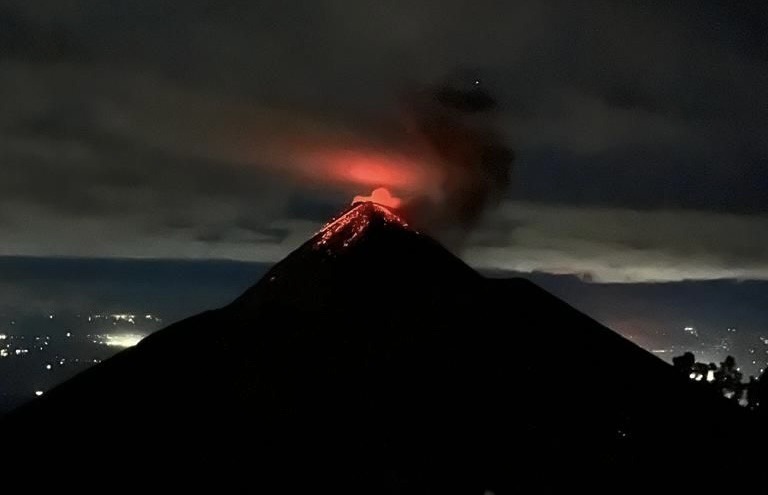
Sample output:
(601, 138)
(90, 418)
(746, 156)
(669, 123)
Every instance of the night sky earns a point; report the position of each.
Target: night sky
(142, 143)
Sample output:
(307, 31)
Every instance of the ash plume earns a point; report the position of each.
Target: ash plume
(442, 153)
(445, 156)
(455, 123)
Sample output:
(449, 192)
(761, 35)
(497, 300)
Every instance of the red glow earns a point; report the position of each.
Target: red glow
(345, 230)
(369, 168)
(378, 170)
(380, 196)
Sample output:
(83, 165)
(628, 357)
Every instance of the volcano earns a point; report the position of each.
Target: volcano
(372, 360)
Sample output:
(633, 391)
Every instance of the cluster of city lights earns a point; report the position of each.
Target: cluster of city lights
(66, 351)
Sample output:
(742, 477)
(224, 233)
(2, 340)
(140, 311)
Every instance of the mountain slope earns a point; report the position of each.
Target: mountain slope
(371, 360)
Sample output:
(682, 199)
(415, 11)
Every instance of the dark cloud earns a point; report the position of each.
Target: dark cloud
(622, 245)
(149, 128)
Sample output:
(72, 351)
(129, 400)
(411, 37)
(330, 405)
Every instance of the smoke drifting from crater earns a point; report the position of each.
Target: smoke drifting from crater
(441, 151)
(446, 159)
(457, 128)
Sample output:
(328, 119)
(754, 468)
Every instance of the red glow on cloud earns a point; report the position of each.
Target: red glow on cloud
(370, 168)
(380, 196)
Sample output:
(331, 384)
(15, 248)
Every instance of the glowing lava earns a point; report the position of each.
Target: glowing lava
(380, 196)
(343, 231)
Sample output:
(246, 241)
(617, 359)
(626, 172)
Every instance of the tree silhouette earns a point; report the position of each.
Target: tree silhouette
(753, 394)
(728, 379)
(687, 365)
(760, 390)
(684, 364)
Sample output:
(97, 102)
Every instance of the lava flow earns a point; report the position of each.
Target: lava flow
(365, 210)
(380, 196)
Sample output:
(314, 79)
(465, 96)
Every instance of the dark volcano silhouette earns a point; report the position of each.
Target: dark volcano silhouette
(372, 360)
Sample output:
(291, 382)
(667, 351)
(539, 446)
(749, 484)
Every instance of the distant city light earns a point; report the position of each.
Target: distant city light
(120, 339)
(3, 336)
(123, 317)
(691, 331)
(3, 352)
(48, 366)
(69, 334)
(38, 393)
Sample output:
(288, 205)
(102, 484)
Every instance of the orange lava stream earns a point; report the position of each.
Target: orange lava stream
(343, 231)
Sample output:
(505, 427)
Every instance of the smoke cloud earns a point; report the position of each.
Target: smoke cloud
(444, 156)
(442, 152)
(456, 123)
(204, 161)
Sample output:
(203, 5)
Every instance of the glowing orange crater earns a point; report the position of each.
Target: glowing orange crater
(380, 196)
